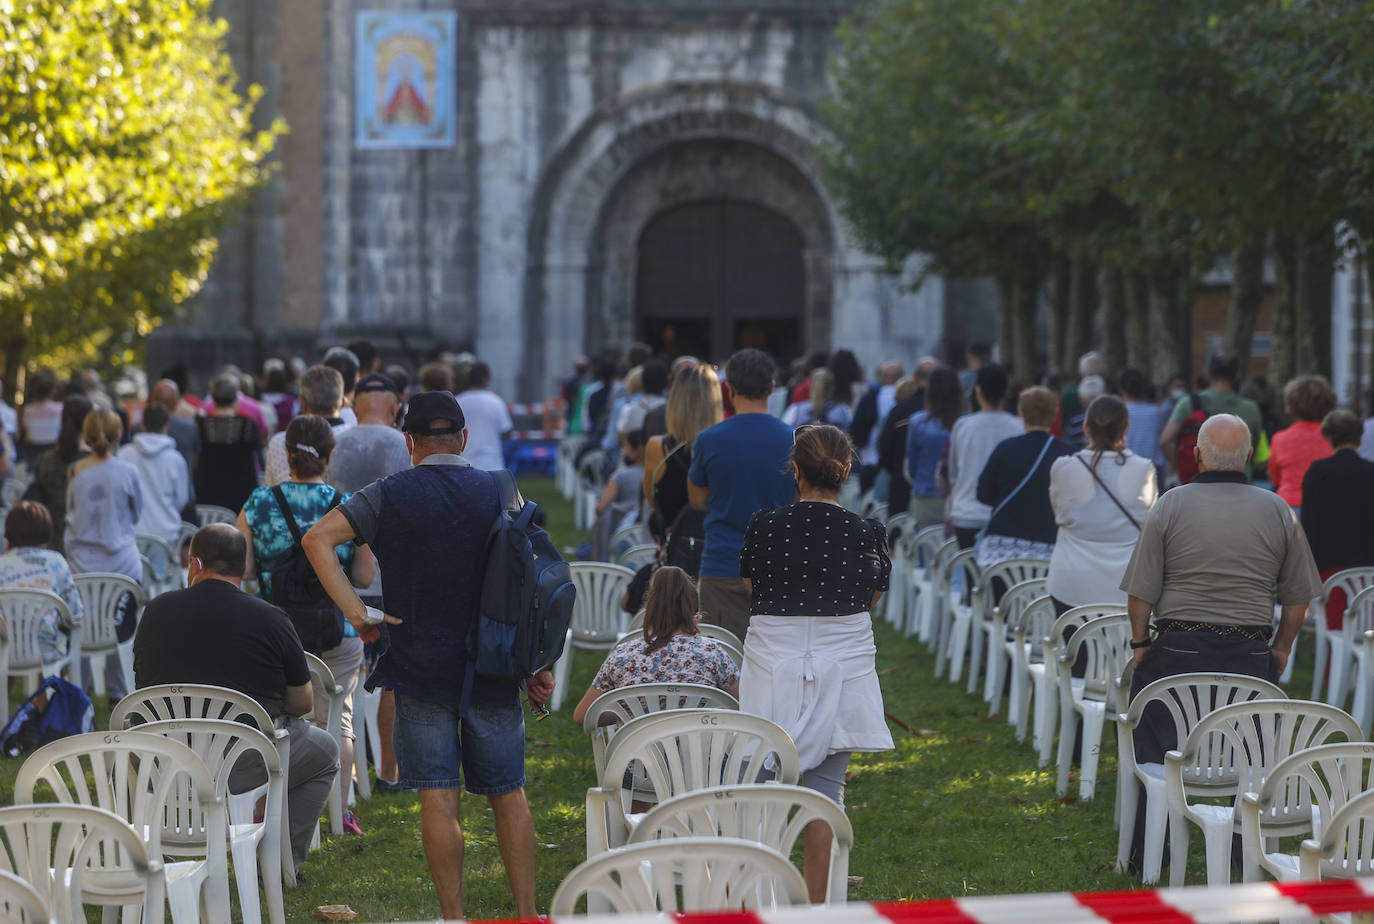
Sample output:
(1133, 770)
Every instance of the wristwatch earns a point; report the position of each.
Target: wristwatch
(1142, 644)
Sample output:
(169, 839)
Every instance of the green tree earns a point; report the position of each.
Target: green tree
(124, 147)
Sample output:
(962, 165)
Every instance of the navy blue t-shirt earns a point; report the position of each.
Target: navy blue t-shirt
(428, 527)
(745, 462)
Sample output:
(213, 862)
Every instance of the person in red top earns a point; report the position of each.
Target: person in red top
(1307, 399)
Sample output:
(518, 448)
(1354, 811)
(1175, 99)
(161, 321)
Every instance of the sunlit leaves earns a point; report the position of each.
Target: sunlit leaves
(124, 146)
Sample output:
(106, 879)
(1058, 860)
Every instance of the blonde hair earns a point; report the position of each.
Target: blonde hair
(101, 430)
(694, 402)
(634, 381)
(1037, 406)
(822, 391)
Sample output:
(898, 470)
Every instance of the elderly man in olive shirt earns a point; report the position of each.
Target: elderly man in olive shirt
(1212, 558)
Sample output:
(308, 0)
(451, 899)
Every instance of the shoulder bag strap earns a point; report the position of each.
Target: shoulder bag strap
(664, 461)
(1049, 438)
(1098, 478)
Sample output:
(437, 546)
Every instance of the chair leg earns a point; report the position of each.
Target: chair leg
(1178, 848)
(1092, 746)
(246, 880)
(1156, 820)
(1127, 799)
(1218, 840)
(1046, 714)
(975, 661)
(1068, 724)
(1319, 665)
(562, 674)
(958, 648)
(269, 858)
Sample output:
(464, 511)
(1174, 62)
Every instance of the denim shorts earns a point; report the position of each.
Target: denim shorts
(483, 753)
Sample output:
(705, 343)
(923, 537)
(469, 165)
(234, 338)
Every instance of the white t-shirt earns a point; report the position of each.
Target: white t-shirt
(487, 418)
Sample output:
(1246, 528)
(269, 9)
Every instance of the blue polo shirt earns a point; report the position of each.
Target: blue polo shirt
(428, 527)
(745, 461)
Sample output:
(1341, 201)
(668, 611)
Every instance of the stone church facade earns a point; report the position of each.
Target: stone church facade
(623, 169)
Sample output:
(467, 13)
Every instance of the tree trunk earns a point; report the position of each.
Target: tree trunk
(1137, 301)
(1060, 310)
(1112, 285)
(13, 347)
(1167, 336)
(1006, 301)
(1082, 313)
(1025, 358)
(1247, 294)
(1283, 358)
(1316, 259)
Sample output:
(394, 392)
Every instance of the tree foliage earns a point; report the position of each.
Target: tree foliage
(124, 147)
(1144, 138)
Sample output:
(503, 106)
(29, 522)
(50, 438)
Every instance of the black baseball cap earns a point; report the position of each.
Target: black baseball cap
(431, 407)
(375, 381)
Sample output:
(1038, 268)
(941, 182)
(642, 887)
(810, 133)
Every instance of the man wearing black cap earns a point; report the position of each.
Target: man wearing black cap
(428, 527)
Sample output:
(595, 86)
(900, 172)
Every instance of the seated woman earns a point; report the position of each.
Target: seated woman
(29, 564)
(669, 651)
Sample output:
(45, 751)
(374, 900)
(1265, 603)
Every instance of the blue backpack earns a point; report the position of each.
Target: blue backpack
(527, 596)
(58, 709)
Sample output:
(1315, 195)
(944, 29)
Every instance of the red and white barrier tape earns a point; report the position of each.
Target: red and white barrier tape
(1261, 901)
(536, 434)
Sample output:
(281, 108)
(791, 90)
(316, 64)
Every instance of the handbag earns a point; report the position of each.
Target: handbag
(978, 541)
(1098, 478)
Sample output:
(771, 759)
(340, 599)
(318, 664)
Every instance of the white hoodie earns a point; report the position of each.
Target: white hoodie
(165, 480)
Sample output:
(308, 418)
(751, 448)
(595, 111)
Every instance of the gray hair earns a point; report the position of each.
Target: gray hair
(1090, 363)
(1091, 388)
(322, 390)
(1225, 458)
(224, 390)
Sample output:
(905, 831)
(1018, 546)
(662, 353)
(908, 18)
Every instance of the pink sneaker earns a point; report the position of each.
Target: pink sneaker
(350, 824)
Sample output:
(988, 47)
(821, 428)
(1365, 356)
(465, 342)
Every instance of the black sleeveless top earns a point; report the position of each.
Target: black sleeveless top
(670, 493)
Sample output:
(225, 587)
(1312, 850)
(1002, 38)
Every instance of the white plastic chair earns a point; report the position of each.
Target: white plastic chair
(987, 632)
(211, 513)
(959, 578)
(597, 620)
(894, 604)
(629, 537)
(774, 814)
(1045, 674)
(629, 703)
(680, 752)
(589, 483)
(1348, 658)
(161, 788)
(1025, 632)
(1005, 614)
(1228, 752)
(255, 845)
(334, 693)
(23, 612)
(565, 471)
(101, 593)
(1089, 698)
(1186, 698)
(637, 556)
(95, 856)
(1345, 849)
(924, 551)
(366, 706)
(167, 573)
(1300, 793)
(1351, 581)
(683, 874)
(21, 903)
(206, 701)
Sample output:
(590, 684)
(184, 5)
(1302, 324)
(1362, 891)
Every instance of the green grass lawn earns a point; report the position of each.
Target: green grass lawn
(957, 809)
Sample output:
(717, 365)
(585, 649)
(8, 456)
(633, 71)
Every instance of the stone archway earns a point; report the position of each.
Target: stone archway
(699, 171)
(578, 289)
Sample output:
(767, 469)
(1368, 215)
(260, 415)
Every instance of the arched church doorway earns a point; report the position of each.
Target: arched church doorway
(717, 275)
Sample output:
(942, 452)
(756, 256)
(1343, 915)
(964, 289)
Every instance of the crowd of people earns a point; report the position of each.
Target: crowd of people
(745, 476)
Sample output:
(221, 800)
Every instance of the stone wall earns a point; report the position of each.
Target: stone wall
(576, 122)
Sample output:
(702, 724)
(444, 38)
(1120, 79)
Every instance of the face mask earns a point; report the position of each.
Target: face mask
(1178, 394)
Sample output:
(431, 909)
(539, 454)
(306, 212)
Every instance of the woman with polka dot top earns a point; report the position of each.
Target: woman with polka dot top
(814, 570)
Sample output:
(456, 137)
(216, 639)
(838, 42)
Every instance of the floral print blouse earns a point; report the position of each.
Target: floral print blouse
(685, 659)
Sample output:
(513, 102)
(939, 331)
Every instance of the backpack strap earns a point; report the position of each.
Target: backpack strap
(288, 515)
(1196, 400)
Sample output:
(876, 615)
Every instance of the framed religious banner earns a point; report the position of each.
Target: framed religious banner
(406, 82)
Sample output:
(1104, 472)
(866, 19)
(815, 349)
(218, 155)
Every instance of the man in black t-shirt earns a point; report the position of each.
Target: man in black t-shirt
(212, 632)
